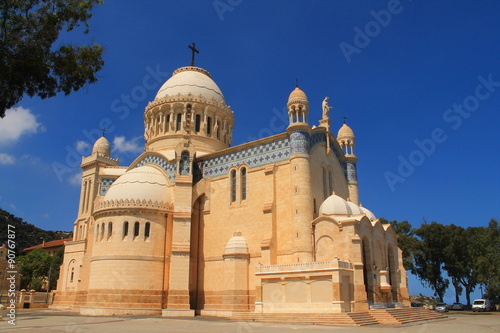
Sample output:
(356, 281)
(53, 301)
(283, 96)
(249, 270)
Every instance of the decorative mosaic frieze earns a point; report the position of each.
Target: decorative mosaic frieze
(299, 142)
(316, 138)
(351, 172)
(267, 153)
(169, 168)
(105, 184)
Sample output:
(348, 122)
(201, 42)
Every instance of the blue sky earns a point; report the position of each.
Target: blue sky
(419, 83)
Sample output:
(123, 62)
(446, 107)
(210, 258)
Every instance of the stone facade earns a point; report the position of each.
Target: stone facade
(196, 226)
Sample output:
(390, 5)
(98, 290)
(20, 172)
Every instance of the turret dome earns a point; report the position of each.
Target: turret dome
(345, 132)
(297, 95)
(102, 147)
(236, 245)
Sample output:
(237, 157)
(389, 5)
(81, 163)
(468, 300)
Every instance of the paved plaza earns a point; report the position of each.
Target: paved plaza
(42, 321)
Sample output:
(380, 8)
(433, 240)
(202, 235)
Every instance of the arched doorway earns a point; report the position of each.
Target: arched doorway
(196, 263)
(367, 269)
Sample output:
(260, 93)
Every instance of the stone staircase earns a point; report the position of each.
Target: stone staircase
(393, 316)
(397, 316)
(340, 319)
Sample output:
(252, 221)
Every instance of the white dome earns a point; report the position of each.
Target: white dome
(143, 183)
(335, 205)
(368, 213)
(237, 244)
(354, 208)
(191, 80)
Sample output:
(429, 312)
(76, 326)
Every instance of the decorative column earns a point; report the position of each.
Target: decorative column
(302, 205)
(352, 178)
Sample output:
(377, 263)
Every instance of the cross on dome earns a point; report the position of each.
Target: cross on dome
(193, 51)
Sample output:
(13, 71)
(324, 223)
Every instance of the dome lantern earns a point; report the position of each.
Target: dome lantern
(189, 105)
(346, 139)
(298, 106)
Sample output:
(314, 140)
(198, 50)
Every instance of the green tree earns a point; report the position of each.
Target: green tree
(406, 241)
(456, 260)
(55, 265)
(428, 257)
(34, 267)
(27, 234)
(30, 63)
(488, 265)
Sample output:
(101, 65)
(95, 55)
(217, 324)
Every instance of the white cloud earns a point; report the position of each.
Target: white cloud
(6, 159)
(17, 122)
(83, 147)
(76, 179)
(121, 145)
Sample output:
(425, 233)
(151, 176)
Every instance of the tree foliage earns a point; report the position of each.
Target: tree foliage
(34, 268)
(428, 257)
(27, 234)
(30, 63)
(470, 256)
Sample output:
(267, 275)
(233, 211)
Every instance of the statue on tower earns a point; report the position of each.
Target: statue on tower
(326, 108)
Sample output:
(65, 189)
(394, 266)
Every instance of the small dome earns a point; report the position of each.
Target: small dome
(368, 213)
(297, 95)
(102, 147)
(335, 205)
(345, 132)
(144, 183)
(191, 80)
(354, 208)
(237, 244)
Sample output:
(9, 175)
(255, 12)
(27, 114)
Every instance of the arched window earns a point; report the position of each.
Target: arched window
(136, 229)
(179, 120)
(243, 183)
(218, 130)
(209, 125)
(197, 123)
(102, 231)
(167, 121)
(110, 230)
(233, 185)
(125, 230)
(147, 230)
(96, 233)
(72, 274)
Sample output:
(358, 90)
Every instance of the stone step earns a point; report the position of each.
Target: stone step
(404, 315)
(341, 319)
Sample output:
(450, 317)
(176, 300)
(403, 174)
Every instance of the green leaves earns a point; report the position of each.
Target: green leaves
(30, 64)
(469, 256)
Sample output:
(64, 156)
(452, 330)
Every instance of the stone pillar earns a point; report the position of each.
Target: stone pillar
(360, 297)
(302, 202)
(235, 283)
(178, 293)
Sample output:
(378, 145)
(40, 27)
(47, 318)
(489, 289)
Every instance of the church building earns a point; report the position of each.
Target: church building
(197, 226)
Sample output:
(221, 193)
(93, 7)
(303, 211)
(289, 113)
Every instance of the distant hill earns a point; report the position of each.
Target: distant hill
(27, 234)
